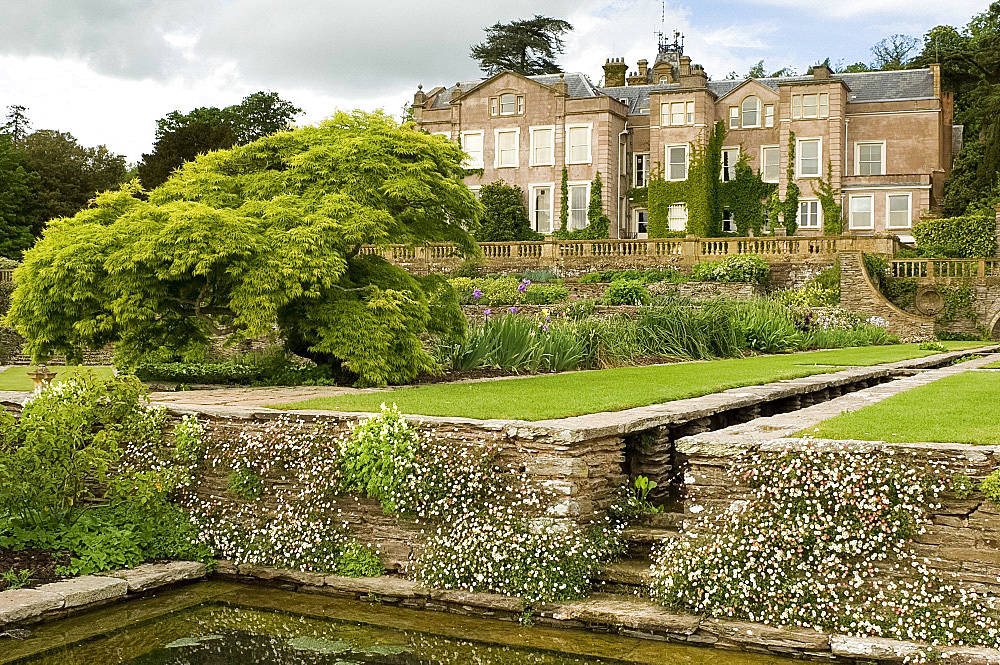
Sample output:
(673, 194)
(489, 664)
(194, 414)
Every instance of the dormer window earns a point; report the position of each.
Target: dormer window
(507, 104)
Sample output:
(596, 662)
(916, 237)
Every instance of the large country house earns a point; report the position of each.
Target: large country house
(887, 135)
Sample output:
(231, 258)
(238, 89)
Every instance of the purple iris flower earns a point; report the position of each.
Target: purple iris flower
(512, 310)
(523, 286)
(476, 293)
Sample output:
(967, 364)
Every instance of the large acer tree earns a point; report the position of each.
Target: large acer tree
(265, 236)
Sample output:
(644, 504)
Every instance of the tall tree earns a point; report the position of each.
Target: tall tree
(69, 175)
(17, 185)
(893, 52)
(180, 137)
(504, 215)
(525, 46)
(16, 124)
(242, 241)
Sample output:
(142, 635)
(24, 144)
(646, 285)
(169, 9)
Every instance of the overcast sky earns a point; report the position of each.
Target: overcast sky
(105, 70)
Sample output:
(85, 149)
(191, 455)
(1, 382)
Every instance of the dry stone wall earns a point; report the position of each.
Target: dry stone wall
(859, 294)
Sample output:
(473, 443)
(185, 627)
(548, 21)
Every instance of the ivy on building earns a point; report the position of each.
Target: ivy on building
(564, 201)
(833, 220)
(789, 208)
(705, 195)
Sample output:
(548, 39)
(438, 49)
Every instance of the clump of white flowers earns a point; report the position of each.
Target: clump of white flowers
(823, 541)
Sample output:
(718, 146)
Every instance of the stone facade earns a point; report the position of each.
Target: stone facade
(886, 136)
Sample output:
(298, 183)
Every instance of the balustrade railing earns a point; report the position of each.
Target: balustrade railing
(944, 269)
(650, 251)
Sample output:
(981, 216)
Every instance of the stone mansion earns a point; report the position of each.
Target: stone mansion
(888, 136)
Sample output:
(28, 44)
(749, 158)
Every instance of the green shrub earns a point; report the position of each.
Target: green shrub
(377, 456)
(356, 560)
(507, 290)
(736, 268)
(272, 367)
(766, 327)
(990, 487)
(932, 346)
(504, 215)
(649, 276)
(6, 289)
(627, 292)
(960, 237)
(244, 484)
(470, 268)
(539, 276)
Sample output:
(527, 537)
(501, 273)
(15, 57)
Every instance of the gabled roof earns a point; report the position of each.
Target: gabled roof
(577, 85)
(889, 86)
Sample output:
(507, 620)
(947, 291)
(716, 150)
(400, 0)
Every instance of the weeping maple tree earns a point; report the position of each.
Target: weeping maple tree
(262, 237)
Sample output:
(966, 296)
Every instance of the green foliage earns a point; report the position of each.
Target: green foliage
(822, 290)
(504, 215)
(6, 290)
(375, 460)
(962, 485)
(564, 201)
(539, 276)
(272, 367)
(266, 234)
(356, 560)
(598, 223)
(877, 268)
(637, 500)
(507, 290)
(627, 292)
(900, 291)
(744, 195)
(990, 487)
(17, 187)
(933, 346)
(735, 268)
(829, 197)
(790, 206)
(960, 237)
(470, 268)
(180, 137)
(244, 484)
(525, 46)
(661, 195)
(16, 579)
(649, 276)
(957, 300)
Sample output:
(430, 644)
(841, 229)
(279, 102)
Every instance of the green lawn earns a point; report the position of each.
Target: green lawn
(964, 408)
(995, 365)
(16, 378)
(578, 393)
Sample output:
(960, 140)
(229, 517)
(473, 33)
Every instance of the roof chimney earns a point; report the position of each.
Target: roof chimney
(642, 67)
(614, 72)
(561, 87)
(685, 65)
(695, 78)
(821, 72)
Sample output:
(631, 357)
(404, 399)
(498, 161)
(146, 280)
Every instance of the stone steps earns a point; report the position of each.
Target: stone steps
(641, 540)
(627, 577)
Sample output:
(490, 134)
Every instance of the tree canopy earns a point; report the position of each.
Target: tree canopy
(525, 46)
(180, 137)
(17, 184)
(268, 235)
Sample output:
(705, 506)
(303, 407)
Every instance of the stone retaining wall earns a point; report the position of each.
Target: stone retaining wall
(859, 294)
(11, 345)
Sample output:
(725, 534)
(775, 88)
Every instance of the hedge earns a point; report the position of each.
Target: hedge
(959, 237)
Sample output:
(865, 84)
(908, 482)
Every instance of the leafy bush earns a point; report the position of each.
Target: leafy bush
(86, 469)
(6, 289)
(507, 290)
(504, 215)
(650, 276)
(274, 367)
(960, 237)
(766, 327)
(376, 458)
(736, 268)
(990, 487)
(627, 292)
(539, 276)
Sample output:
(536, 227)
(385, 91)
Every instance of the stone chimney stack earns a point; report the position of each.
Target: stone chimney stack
(685, 66)
(562, 88)
(419, 98)
(643, 72)
(822, 72)
(695, 78)
(614, 72)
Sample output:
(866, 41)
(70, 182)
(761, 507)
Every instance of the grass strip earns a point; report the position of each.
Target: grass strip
(578, 393)
(964, 408)
(16, 378)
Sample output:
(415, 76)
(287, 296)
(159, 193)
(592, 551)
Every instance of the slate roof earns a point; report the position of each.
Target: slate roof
(863, 87)
(577, 85)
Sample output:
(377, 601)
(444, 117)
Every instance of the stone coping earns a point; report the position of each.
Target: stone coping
(57, 599)
(613, 423)
(623, 615)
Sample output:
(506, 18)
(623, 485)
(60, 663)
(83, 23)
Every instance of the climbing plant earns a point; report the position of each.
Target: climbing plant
(833, 222)
(790, 206)
(597, 222)
(564, 201)
(744, 195)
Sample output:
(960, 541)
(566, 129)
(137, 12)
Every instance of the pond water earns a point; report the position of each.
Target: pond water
(216, 623)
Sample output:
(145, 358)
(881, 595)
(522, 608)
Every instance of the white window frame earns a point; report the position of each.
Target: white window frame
(569, 203)
(689, 113)
(589, 126)
(769, 115)
(763, 162)
(871, 211)
(759, 111)
(670, 217)
(857, 157)
(644, 156)
(687, 160)
(532, 145)
(731, 166)
(888, 211)
(822, 100)
(496, 147)
(635, 222)
(731, 221)
(734, 117)
(518, 104)
(475, 189)
(798, 157)
(819, 214)
(482, 148)
(551, 186)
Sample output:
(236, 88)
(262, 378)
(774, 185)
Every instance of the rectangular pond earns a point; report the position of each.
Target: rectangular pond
(213, 623)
